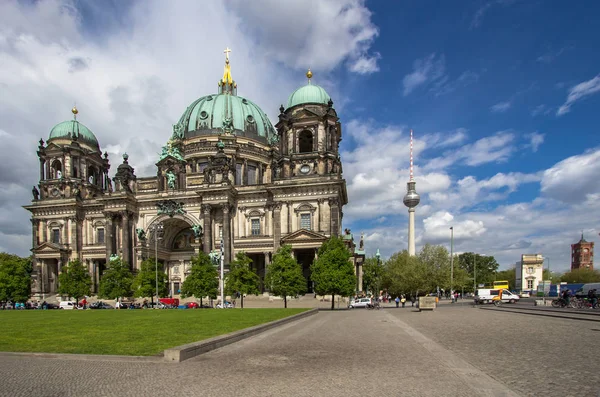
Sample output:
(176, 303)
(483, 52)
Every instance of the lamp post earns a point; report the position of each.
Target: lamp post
(451, 261)
(378, 256)
(157, 230)
(474, 273)
(222, 281)
(549, 278)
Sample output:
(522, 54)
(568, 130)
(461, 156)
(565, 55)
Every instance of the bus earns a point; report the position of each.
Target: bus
(503, 284)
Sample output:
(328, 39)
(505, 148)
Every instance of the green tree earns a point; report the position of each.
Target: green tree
(203, 279)
(510, 275)
(332, 272)
(487, 267)
(581, 276)
(116, 281)
(373, 271)
(74, 281)
(435, 263)
(15, 278)
(553, 276)
(404, 274)
(284, 276)
(241, 278)
(144, 284)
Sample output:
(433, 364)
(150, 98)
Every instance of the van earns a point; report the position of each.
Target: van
(68, 305)
(486, 296)
(583, 291)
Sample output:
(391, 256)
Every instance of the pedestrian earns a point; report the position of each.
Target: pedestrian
(412, 300)
(397, 302)
(403, 300)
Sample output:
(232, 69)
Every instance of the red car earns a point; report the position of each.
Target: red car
(192, 305)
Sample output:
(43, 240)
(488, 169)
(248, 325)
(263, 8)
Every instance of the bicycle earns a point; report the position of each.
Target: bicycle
(372, 306)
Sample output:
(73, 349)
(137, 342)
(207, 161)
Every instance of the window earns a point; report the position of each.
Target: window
(305, 221)
(530, 270)
(305, 142)
(238, 174)
(176, 288)
(255, 227)
(529, 284)
(56, 236)
(251, 175)
(202, 166)
(100, 235)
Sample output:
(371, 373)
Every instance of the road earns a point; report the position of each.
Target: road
(455, 350)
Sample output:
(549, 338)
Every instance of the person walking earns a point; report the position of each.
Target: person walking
(397, 302)
(403, 300)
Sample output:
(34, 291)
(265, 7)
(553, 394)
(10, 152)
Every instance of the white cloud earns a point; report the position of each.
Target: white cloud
(574, 179)
(541, 109)
(535, 140)
(579, 92)
(365, 65)
(500, 107)
(424, 70)
(481, 11)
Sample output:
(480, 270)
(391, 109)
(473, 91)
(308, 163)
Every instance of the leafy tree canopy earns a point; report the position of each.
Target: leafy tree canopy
(15, 278)
(284, 276)
(116, 281)
(74, 281)
(373, 271)
(332, 271)
(487, 267)
(144, 284)
(581, 276)
(241, 278)
(404, 274)
(508, 274)
(203, 279)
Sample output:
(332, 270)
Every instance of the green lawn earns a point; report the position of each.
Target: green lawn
(122, 332)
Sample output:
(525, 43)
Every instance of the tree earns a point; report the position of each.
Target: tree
(486, 266)
(144, 284)
(435, 261)
(373, 271)
(203, 279)
(508, 274)
(581, 276)
(74, 281)
(553, 276)
(15, 278)
(404, 274)
(241, 278)
(284, 276)
(116, 281)
(332, 272)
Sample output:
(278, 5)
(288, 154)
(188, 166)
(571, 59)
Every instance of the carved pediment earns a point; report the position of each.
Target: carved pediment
(48, 248)
(304, 236)
(305, 113)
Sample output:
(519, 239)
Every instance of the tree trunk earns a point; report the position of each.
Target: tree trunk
(242, 300)
(332, 301)
(285, 301)
(200, 302)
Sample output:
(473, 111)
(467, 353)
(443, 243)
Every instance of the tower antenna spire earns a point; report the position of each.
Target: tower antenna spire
(411, 156)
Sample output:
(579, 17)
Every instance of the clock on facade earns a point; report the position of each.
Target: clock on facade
(305, 168)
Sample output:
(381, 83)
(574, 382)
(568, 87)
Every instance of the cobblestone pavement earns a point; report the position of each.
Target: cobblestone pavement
(398, 352)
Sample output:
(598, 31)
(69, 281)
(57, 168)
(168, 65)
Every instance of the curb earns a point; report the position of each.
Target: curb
(190, 350)
(86, 357)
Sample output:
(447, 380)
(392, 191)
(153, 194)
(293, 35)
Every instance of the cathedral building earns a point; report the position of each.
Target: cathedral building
(227, 180)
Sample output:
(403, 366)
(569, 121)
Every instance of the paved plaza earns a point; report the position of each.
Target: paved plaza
(457, 350)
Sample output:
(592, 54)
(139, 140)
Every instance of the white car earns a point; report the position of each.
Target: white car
(68, 305)
(525, 294)
(360, 302)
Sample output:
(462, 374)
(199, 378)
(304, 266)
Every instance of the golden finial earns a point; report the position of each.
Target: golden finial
(227, 72)
(74, 111)
(309, 75)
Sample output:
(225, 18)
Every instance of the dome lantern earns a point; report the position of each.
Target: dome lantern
(309, 94)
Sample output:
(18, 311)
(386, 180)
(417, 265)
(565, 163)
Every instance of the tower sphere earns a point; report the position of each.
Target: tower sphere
(412, 199)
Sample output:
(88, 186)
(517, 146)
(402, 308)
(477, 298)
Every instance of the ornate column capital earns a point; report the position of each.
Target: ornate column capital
(206, 209)
(225, 207)
(34, 222)
(320, 200)
(333, 201)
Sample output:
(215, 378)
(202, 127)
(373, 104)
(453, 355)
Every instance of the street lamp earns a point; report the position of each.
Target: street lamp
(378, 256)
(157, 230)
(451, 260)
(474, 273)
(549, 278)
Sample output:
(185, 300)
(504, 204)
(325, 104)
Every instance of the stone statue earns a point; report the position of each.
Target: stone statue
(170, 179)
(227, 125)
(141, 234)
(76, 192)
(197, 231)
(36, 193)
(114, 257)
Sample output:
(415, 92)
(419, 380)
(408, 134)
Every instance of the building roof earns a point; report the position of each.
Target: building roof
(73, 129)
(310, 93)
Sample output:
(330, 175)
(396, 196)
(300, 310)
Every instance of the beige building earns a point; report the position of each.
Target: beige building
(226, 176)
(529, 272)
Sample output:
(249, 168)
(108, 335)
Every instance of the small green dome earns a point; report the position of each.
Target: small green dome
(310, 93)
(212, 114)
(71, 128)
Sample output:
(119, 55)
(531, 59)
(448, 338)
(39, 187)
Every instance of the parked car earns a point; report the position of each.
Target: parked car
(68, 305)
(360, 302)
(524, 294)
(100, 305)
(192, 305)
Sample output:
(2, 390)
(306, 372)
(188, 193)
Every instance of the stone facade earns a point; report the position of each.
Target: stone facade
(248, 192)
(529, 272)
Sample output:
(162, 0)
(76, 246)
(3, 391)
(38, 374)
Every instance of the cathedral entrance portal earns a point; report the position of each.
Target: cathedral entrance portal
(305, 258)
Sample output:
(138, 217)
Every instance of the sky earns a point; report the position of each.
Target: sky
(503, 97)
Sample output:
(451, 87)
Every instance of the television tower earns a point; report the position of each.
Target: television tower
(411, 200)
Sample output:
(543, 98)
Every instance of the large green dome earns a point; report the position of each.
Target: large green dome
(309, 93)
(213, 113)
(73, 128)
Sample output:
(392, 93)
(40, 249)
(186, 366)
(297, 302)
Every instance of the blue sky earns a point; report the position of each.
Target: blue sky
(502, 96)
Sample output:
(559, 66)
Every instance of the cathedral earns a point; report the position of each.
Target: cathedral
(227, 181)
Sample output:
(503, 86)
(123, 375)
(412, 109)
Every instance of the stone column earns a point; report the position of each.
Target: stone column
(411, 231)
(35, 225)
(44, 231)
(289, 217)
(108, 236)
(276, 226)
(334, 216)
(41, 170)
(64, 238)
(226, 233)
(207, 228)
(319, 217)
(125, 239)
(96, 276)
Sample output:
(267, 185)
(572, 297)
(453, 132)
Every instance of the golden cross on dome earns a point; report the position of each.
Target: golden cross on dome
(227, 50)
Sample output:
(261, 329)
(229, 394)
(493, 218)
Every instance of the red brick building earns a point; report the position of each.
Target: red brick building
(582, 255)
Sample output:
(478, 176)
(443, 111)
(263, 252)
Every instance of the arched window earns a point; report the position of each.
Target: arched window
(305, 142)
(56, 169)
